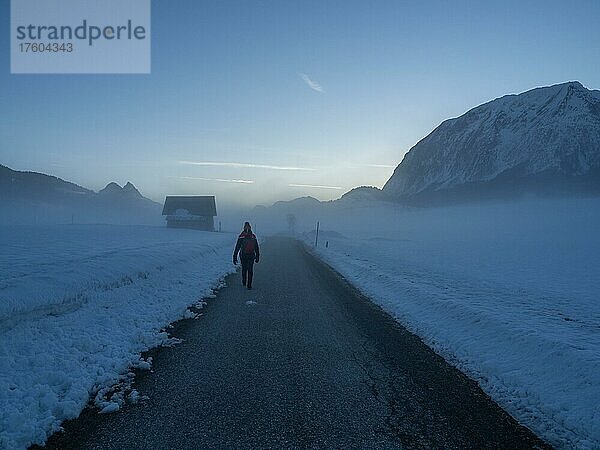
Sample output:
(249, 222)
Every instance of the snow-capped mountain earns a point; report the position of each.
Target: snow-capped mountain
(545, 134)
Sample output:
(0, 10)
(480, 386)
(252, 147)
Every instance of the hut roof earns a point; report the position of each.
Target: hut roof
(197, 205)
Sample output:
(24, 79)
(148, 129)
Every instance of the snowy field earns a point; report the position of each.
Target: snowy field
(78, 304)
(508, 293)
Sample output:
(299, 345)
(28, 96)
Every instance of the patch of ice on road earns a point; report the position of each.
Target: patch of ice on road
(134, 396)
(144, 364)
(110, 408)
(189, 314)
(171, 342)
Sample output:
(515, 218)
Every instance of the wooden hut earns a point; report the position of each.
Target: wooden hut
(196, 212)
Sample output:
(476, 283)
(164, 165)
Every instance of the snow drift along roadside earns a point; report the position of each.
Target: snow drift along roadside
(508, 293)
(78, 304)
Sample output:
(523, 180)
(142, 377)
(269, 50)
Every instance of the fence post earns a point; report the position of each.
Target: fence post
(317, 235)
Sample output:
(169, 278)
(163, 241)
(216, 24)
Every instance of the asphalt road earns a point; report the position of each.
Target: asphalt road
(303, 360)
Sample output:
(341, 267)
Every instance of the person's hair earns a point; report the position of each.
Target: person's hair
(247, 225)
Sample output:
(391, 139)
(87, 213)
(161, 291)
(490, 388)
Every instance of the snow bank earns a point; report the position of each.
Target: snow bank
(508, 293)
(78, 304)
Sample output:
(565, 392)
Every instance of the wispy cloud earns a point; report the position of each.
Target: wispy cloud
(382, 166)
(244, 165)
(375, 166)
(221, 180)
(315, 86)
(316, 186)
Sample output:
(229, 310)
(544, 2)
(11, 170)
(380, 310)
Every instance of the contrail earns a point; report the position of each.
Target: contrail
(376, 166)
(383, 166)
(312, 83)
(316, 186)
(222, 180)
(247, 165)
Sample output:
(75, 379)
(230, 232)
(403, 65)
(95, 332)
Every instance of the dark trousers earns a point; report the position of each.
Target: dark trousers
(247, 270)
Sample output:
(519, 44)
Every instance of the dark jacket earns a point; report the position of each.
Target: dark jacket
(244, 241)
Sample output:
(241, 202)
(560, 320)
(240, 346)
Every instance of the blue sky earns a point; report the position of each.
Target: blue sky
(259, 101)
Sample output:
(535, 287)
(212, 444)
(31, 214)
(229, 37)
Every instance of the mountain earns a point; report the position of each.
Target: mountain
(27, 197)
(37, 186)
(362, 194)
(131, 191)
(297, 204)
(543, 140)
(111, 189)
(123, 196)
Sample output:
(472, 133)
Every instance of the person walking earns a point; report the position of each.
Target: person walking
(247, 248)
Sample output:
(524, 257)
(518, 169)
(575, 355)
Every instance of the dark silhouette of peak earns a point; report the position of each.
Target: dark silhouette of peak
(33, 185)
(38, 197)
(307, 202)
(130, 189)
(111, 188)
(363, 193)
